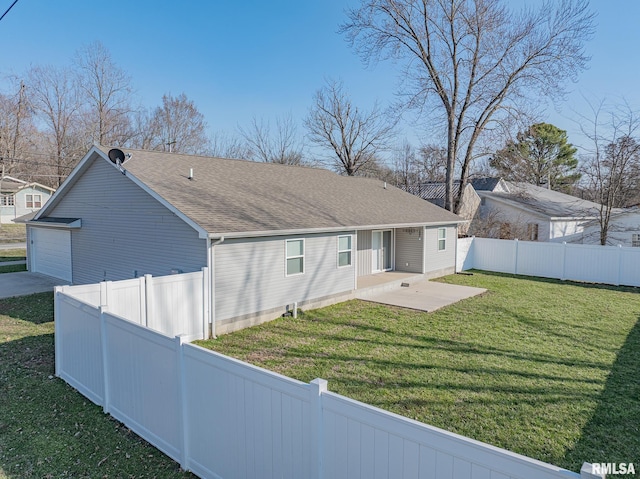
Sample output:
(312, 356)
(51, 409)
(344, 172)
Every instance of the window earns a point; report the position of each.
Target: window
(442, 239)
(635, 240)
(344, 251)
(295, 256)
(34, 201)
(8, 200)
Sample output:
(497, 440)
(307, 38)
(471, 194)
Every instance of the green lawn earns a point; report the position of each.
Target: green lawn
(13, 255)
(540, 367)
(47, 429)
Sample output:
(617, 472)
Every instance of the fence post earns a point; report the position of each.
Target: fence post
(619, 265)
(564, 261)
(205, 302)
(105, 359)
(143, 300)
(586, 472)
(318, 386)
(515, 261)
(104, 296)
(148, 281)
(182, 403)
(57, 327)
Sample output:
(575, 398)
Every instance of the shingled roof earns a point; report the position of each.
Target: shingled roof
(238, 197)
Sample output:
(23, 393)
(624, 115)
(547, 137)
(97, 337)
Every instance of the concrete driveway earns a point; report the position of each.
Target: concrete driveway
(25, 282)
(425, 295)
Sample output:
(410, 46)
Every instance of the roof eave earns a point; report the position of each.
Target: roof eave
(301, 231)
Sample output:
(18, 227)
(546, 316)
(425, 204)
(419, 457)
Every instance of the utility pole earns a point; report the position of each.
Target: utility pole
(18, 116)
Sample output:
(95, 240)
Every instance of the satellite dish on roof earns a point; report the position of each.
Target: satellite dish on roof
(116, 156)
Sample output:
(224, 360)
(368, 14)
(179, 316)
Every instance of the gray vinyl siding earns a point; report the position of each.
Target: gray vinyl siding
(250, 274)
(437, 261)
(125, 231)
(364, 253)
(409, 250)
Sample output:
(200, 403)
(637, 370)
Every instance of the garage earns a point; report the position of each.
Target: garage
(50, 252)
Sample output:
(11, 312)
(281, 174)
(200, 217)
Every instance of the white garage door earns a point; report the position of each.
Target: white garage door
(51, 252)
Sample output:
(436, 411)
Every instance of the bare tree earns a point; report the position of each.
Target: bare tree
(612, 166)
(469, 62)
(405, 166)
(175, 126)
(53, 94)
(433, 163)
(351, 137)
(222, 145)
(107, 95)
(280, 146)
(17, 131)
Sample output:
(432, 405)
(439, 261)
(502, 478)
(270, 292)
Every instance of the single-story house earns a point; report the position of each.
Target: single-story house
(19, 198)
(528, 212)
(271, 235)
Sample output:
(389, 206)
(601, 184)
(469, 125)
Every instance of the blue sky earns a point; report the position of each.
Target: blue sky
(243, 59)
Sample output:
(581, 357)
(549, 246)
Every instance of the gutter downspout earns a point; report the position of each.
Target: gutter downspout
(212, 285)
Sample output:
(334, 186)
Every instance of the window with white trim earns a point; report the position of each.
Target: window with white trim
(34, 201)
(294, 256)
(344, 250)
(442, 239)
(635, 240)
(7, 200)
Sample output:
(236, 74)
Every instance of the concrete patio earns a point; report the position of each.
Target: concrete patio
(418, 293)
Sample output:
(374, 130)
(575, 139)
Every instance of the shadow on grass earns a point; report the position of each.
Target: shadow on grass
(612, 434)
(34, 308)
(626, 289)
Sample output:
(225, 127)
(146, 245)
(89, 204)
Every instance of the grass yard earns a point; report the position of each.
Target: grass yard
(540, 367)
(47, 429)
(13, 255)
(11, 232)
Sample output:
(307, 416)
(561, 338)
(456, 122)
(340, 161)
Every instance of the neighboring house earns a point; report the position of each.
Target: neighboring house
(624, 229)
(271, 235)
(18, 198)
(435, 192)
(528, 212)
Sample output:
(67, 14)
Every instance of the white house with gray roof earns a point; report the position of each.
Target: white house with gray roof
(19, 198)
(529, 212)
(271, 235)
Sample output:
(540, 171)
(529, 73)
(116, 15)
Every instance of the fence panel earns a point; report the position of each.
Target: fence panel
(127, 299)
(464, 254)
(364, 441)
(89, 293)
(176, 304)
(540, 259)
(592, 263)
(244, 421)
(494, 255)
(630, 266)
(143, 383)
(78, 346)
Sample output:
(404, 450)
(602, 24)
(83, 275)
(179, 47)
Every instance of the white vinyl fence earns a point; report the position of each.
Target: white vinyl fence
(177, 304)
(614, 265)
(222, 418)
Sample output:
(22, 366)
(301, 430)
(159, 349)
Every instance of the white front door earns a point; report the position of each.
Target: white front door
(381, 251)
